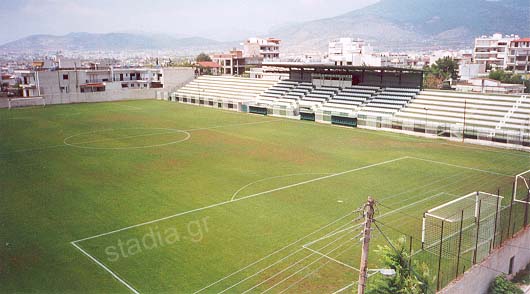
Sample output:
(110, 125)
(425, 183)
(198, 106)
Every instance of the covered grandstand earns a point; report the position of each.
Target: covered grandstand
(374, 97)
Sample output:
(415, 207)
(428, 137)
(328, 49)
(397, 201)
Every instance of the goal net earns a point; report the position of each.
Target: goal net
(462, 226)
(25, 102)
(521, 191)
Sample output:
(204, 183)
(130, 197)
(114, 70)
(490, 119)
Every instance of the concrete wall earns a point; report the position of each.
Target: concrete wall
(176, 77)
(116, 95)
(67, 98)
(478, 278)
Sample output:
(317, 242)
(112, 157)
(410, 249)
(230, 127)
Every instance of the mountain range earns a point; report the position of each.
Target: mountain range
(387, 24)
(112, 42)
(414, 24)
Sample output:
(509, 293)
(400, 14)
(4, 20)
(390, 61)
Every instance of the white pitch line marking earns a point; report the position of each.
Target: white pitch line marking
(244, 198)
(233, 125)
(270, 178)
(288, 277)
(309, 274)
(166, 131)
(460, 166)
(275, 252)
(125, 105)
(32, 149)
(487, 150)
(105, 268)
(190, 130)
(269, 266)
(333, 259)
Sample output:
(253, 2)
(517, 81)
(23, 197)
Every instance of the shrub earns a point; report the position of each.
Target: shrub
(501, 285)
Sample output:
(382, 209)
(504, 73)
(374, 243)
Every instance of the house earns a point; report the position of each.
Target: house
(207, 68)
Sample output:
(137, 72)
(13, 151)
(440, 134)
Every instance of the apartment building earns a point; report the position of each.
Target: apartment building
(267, 49)
(138, 78)
(28, 82)
(232, 63)
(355, 52)
(519, 56)
(235, 63)
(493, 50)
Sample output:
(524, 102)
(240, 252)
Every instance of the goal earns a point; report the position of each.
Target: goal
(466, 225)
(25, 102)
(521, 190)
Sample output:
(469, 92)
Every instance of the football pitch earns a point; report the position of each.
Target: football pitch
(159, 197)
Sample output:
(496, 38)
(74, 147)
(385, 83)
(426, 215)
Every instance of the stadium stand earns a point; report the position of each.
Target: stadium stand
(388, 101)
(495, 112)
(224, 87)
(375, 97)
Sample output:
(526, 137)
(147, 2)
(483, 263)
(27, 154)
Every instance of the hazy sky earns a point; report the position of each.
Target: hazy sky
(222, 19)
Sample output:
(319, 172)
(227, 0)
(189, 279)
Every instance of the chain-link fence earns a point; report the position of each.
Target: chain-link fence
(464, 233)
(446, 130)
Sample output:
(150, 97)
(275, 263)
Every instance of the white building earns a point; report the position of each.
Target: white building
(268, 49)
(469, 71)
(483, 85)
(493, 50)
(519, 56)
(138, 78)
(355, 52)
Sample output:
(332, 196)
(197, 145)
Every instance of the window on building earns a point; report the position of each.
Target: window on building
(65, 77)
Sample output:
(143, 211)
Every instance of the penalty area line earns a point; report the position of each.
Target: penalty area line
(242, 198)
(105, 268)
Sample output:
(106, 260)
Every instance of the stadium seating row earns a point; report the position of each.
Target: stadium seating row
(494, 112)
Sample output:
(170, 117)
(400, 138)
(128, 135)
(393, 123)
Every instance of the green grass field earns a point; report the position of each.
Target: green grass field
(153, 197)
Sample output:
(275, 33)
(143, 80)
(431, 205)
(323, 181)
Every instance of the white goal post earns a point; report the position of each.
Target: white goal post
(468, 223)
(521, 189)
(26, 102)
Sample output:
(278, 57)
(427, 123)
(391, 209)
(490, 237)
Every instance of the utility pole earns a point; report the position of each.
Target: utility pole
(369, 217)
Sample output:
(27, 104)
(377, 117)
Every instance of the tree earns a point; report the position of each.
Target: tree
(203, 57)
(446, 68)
(443, 69)
(506, 77)
(408, 278)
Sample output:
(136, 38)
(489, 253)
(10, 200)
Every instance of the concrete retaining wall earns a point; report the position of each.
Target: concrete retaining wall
(478, 278)
(106, 96)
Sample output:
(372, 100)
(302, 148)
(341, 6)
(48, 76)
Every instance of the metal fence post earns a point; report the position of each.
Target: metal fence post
(478, 232)
(526, 210)
(496, 218)
(510, 215)
(438, 283)
(410, 250)
(459, 243)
